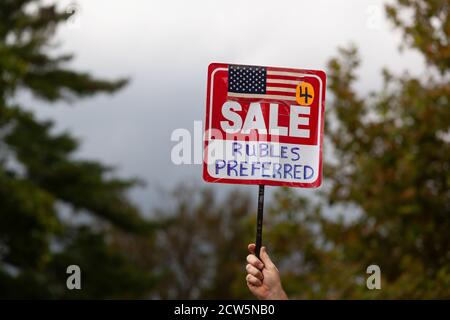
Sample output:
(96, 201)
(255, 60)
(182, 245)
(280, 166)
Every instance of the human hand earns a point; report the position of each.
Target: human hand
(263, 278)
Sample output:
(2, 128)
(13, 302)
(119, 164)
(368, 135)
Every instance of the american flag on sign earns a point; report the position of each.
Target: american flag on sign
(263, 83)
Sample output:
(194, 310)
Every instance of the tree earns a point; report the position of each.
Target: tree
(392, 166)
(202, 247)
(40, 179)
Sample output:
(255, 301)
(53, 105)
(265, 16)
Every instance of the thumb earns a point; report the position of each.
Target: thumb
(265, 258)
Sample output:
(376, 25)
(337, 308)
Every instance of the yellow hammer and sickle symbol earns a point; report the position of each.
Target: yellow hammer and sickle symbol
(304, 94)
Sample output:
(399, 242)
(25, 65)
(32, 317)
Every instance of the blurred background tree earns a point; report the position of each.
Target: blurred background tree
(391, 167)
(43, 188)
(386, 198)
(397, 145)
(202, 245)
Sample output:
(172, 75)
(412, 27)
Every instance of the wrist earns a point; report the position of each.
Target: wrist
(277, 294)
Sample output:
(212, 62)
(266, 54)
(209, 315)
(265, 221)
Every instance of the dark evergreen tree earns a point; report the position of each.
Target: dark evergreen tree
(39, 176)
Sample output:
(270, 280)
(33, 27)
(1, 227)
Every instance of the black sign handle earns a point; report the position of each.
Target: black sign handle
(259, 220)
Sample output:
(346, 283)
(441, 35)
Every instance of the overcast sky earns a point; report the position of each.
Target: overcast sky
(165, 47)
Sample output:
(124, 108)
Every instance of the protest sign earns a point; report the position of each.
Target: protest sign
(264, 125)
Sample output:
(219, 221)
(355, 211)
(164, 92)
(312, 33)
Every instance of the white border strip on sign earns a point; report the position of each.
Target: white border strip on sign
(211, 94)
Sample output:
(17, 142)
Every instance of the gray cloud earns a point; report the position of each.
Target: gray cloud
(166, 46)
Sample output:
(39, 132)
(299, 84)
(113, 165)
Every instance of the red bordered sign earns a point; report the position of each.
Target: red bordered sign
(264, 125)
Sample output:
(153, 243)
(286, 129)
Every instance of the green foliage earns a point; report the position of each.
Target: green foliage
(26, 30)
(426, 27)
(385, 200)
(106, 271)
(201, 250)
(40, 179)
(392, 166)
